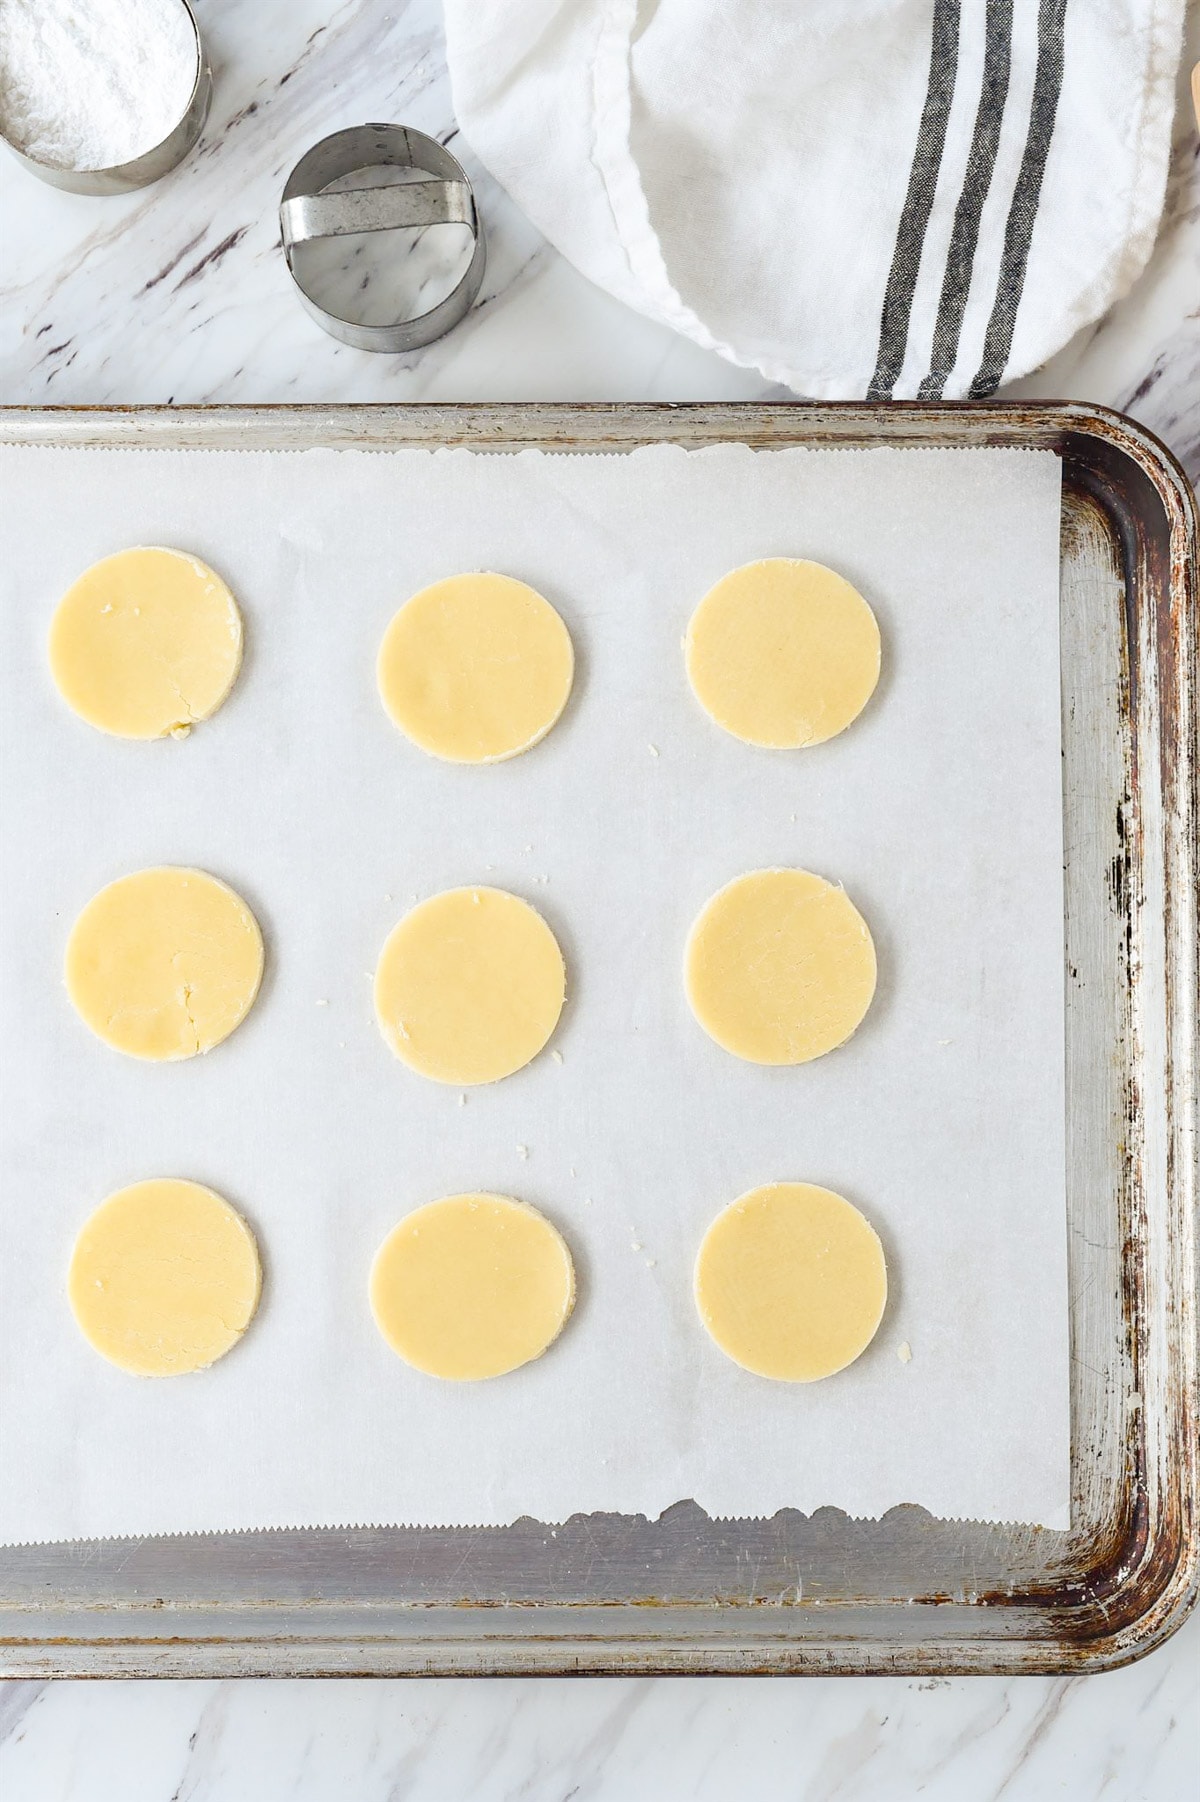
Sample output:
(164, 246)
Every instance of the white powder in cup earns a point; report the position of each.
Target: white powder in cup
(88, 84)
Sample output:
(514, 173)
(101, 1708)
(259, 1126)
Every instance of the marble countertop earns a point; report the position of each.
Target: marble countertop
(180, 294)
(1127, 1736)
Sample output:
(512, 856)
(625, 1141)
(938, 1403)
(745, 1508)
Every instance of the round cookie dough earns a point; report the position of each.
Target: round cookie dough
(164, 1278)
(791, 1282)
(783, 653)
(780, 967)
(472, 1286)
(165, 963)
(476, 668)
(146, 643)
(469, 986)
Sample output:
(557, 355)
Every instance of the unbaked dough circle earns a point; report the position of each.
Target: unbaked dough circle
(791, 1282)
(780, 967)
(165, 963)
(476, 669)
(146, 643)
(164, 1278)
(469, 986)
(783, 653)
(472, 1286)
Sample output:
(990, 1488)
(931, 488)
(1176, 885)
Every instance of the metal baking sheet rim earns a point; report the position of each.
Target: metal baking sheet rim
(819, 1594)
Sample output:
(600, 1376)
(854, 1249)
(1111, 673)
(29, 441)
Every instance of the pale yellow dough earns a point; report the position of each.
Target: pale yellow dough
(476, 668)
(146, 643)
(164, 1278)
(780, 967)
(469, 986)
(791, 1282)
(472, 1286)
(165, 963)
(783, 653)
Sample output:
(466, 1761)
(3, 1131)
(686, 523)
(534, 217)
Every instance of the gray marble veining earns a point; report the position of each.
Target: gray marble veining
(180, 293)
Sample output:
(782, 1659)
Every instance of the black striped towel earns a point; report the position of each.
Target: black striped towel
(892, 198)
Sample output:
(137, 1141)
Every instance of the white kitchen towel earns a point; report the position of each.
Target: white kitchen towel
(890, 198)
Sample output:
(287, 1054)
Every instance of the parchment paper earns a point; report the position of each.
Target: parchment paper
(943, 1118)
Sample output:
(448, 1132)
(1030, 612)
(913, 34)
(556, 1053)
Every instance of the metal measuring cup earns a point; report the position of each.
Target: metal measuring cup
(123, 178)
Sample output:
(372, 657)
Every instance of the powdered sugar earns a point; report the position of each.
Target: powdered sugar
(89, 84)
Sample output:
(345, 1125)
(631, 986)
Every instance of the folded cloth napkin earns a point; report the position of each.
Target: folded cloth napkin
(855, 197)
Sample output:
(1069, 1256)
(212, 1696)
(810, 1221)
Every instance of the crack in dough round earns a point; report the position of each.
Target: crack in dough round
(469, 986)
(164, 1278)
(472, 1286)
(147, 642)
(165, 963)
(476, 669)
(791, 1282)
(783, 653)
(780, 967)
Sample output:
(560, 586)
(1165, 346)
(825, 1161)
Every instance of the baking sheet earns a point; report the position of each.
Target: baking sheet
(940, 811)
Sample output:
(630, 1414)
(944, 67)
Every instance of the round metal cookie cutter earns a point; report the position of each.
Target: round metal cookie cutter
(159, 160)
(309, 210)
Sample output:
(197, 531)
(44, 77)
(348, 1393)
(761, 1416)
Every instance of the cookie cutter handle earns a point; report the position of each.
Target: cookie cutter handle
(400, 206)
